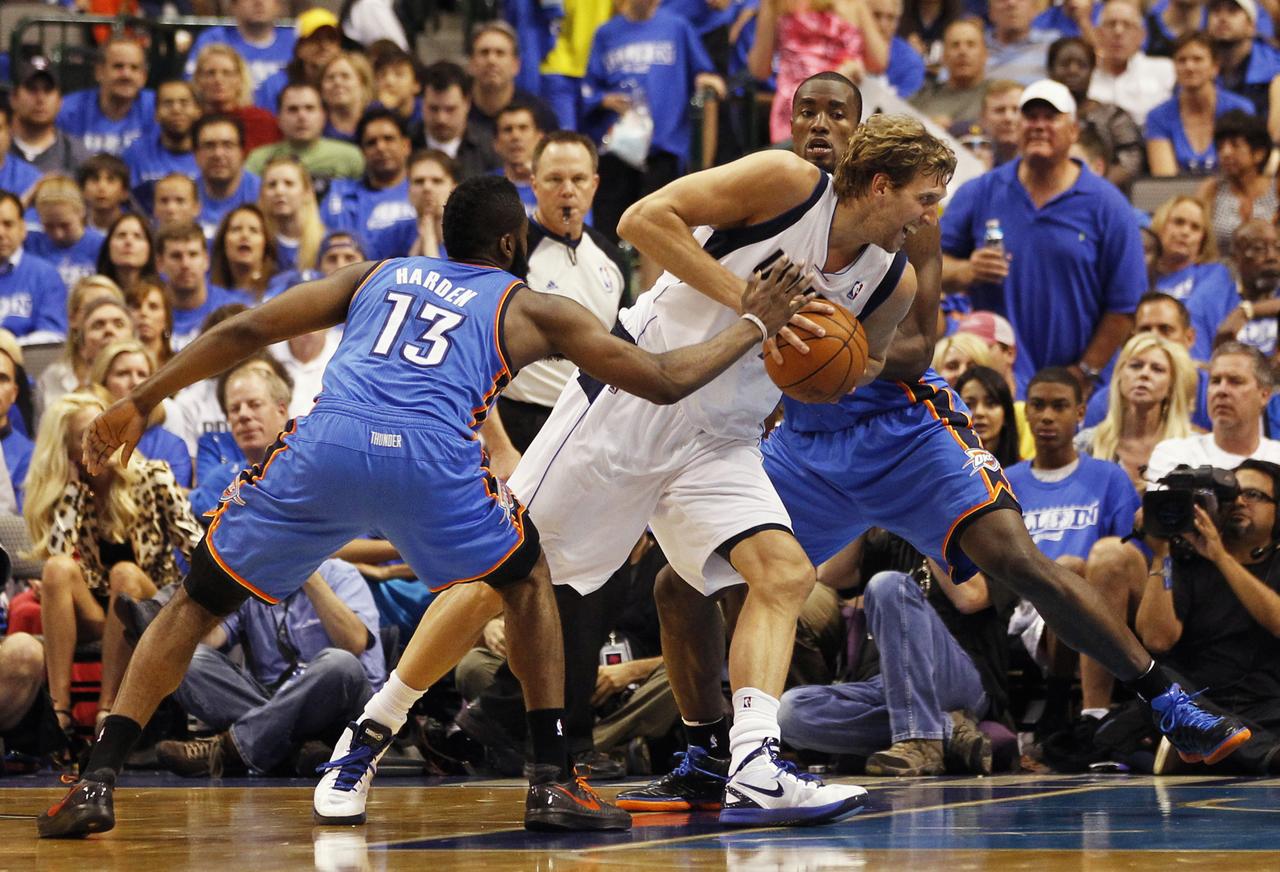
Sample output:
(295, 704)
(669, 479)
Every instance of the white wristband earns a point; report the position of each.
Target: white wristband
(764, 331)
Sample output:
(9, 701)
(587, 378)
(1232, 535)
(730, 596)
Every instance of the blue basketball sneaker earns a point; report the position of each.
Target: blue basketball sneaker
(769, 791)
(696, 784)
(1199, 735)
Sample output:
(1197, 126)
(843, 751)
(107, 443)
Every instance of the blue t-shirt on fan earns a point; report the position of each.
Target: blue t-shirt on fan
(1066, 518)
(263, 60)
(74, 262)
(211, 210)
(149, 161)
(661, 57)
(382, 219)
(33, 299)
(186, 322)
(17, 176)
(1165, 122)
(82, 118)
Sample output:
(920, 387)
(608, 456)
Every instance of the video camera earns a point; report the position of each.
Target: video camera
(1170, 511)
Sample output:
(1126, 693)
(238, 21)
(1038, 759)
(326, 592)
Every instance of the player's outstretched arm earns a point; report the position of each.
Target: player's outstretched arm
(301, 309)
(548, 324)
(748, 191)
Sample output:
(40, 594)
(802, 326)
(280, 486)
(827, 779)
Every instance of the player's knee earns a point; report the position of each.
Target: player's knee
(787, 582)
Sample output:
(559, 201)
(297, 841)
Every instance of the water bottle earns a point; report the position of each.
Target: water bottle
(993, 238)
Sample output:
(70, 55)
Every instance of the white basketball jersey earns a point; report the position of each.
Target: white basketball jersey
(672, 314)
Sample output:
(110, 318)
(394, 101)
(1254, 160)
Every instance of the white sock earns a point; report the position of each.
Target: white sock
(1095, 713)
(390, 706)
(755, 719)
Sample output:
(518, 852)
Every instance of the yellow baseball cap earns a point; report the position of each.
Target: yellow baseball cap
(314, 19)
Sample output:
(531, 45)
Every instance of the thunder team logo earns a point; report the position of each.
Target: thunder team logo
(979, 459)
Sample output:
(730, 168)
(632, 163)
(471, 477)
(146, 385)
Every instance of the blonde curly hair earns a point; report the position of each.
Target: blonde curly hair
(897, 146)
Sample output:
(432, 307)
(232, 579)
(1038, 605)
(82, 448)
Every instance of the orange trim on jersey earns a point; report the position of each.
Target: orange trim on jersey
(364, 282)
(987, 503)
(519, 525)
(252, 478)
(497, 323)
(503, 377)
(235, 576)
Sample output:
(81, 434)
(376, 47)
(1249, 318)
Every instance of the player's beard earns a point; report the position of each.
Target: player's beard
(520, 263)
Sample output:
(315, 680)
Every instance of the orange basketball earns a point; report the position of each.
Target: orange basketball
(832, 366)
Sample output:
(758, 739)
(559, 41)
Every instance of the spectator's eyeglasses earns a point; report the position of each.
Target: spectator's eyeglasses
(1253, 495)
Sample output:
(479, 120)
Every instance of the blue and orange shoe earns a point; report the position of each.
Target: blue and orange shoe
(87, 808)
(696, 784)
(553, 804)
(1197, 734)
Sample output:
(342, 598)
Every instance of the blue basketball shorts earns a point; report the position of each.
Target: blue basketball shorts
(333, 477)
(920, 472)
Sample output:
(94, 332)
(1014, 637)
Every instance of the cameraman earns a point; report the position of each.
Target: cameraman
(1216, 615)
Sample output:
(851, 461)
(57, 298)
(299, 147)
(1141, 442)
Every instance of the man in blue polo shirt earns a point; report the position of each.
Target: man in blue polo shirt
(223, 180)
(1070, 271)
(168, 148)
(376, 208)
(33, 299)
(1247, 64)
(15, 173)
(266, 49)
(110, 117)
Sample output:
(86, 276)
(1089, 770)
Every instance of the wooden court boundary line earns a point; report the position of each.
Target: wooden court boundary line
(736, 831)
(1199, 781)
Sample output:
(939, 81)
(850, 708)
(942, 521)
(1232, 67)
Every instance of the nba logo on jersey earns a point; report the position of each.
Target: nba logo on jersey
(852, 293)
(979, 459)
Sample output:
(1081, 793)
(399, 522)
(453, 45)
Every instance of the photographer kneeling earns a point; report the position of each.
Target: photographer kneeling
(1211, 608)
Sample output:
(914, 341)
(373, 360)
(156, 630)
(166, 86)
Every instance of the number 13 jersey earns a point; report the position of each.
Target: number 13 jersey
(423, 339)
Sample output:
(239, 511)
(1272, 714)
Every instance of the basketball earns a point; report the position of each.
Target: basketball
(833, 364)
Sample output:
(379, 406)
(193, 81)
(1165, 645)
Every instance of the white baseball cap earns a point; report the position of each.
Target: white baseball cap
(1051, 92)
(1250, 8)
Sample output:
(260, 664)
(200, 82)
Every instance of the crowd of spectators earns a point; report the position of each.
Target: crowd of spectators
(1096, 346)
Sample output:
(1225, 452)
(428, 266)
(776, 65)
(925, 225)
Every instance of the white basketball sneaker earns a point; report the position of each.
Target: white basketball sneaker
(767, 790)
(341, 794)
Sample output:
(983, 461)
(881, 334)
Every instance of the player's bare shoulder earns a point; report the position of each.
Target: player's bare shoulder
(770, 182)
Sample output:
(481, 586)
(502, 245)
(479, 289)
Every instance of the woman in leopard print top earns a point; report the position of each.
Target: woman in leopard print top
(100, 536)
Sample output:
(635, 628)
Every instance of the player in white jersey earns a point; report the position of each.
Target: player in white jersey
(607, 464)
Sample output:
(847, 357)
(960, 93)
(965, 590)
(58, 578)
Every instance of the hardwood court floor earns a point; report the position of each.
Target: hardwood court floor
(954, 824)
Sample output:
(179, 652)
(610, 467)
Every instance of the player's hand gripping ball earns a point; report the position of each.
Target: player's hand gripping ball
(833, 365)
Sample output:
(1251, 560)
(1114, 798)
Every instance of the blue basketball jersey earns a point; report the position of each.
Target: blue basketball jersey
(423, 341)
(876, 398)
